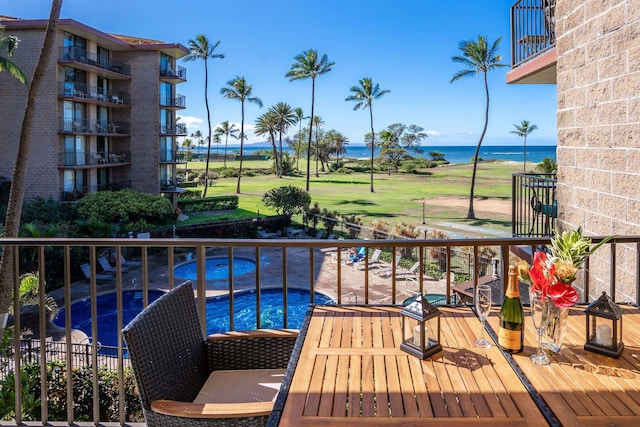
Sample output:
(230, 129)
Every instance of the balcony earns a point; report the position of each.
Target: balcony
(93, 159)
(171, 75)
(172, 156)
(94, 127)
(533, 56)
(72, 195)
(173, 102)
(93, 94)
(534, 205)
(177, 129)
(88, 61)
(314, 265)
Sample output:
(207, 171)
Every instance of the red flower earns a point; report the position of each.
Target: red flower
(563, 295)
(543, 277)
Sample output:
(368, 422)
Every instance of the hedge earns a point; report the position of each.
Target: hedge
(216, 203)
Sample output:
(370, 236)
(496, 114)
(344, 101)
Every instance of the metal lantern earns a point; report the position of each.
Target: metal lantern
(420, 328)
(604, 327)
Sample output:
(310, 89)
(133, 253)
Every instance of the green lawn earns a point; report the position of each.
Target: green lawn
(397, 198)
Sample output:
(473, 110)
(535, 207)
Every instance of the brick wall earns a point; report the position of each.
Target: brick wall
(598, 80)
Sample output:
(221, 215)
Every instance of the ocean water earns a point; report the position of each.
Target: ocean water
(454, 154)
(460, 154)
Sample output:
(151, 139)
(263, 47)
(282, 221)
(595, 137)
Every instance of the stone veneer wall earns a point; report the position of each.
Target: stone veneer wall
(598, 80)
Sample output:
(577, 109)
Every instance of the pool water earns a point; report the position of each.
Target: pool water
(244, 303)
(216, 268)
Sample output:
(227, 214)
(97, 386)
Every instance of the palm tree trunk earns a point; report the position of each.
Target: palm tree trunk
(524, 167)
(313, 92)
(226, 141)
(18, 178)
(279, 165)
(274, 150)
(241, 149)
(373, 138)
(317, 150)
(206, 103)
(299, 144)
(471, 214)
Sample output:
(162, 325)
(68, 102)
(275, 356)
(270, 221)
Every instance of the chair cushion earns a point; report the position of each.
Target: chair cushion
(238, 386)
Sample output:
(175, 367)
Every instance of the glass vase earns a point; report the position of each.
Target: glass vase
(553, 337)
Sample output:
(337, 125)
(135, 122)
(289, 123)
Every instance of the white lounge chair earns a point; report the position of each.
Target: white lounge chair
(401, 272)
(386, 271)
(104, 263)
(124, 262)
(86, 269)
(373, 261)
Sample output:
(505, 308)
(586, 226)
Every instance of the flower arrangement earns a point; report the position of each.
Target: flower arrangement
(554, 274)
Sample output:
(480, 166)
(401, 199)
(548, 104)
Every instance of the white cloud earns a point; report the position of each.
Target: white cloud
(191, 122)
(433, 133)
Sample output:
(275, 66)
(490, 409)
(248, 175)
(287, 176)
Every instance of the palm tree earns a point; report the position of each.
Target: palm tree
(307, 66)
(201, 49)
(240, 90)
(337, 142)
(285, 118)
(267, 125)
(18, 177)
(317, 120)
(9, 43)
(523, 130)
(299, 118)
(364, 95)
(478, 57)
(228, 130)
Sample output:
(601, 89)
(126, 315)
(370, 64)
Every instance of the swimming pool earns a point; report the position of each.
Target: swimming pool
(244, 305)
(216, 268)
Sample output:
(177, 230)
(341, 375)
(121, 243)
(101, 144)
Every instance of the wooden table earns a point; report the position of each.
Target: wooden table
(349, 370)
(583, 388)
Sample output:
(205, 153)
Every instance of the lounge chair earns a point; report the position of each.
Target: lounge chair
(127, 263)
(86, 269)
(104, 263)
(374, 261)
(265, 235)
(383, 271)
(401, 272)
(184, 380)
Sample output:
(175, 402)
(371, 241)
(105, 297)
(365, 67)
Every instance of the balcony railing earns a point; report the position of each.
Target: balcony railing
(95, 158)
(75, 54)
(281, 264)
(110, 128)
(172, 156)
(534, 205)
(532, 29)
(83, 91)
(176, 129)
(179, 72)
(177, 101)
(71, 194)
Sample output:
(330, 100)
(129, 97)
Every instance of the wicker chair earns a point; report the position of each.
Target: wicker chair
(172, 361)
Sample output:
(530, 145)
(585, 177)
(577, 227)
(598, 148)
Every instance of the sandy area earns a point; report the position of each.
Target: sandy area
(479, 203)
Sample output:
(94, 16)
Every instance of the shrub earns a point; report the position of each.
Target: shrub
(215, 203)
(126, 206)
(288, 200)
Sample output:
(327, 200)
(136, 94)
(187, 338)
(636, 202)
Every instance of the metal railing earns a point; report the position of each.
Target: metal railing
(172, 156)
(84, 91)
(76, 54)
(179, 72)
(95, 158)
(179, 101)
(279, 263)
(94, 126)
(175, 129)
(534, 207)
(532, 29)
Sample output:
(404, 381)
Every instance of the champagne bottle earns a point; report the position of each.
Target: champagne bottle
(511, 333)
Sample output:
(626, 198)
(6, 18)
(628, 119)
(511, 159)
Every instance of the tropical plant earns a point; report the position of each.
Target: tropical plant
(364, 95)
(240, 90)
(396, 140)
(288, 200)
(307, 66)
(9, 44)
(201, 48)
(299, 118)
(337, 143)
(29, 293)
(18, 178)
(523, 130)
(478, 57)
(267, 125)
(228, 130)
(547, 165)
(285, 117)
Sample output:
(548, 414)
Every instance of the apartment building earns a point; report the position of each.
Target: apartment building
(590, 50)
(106, 116)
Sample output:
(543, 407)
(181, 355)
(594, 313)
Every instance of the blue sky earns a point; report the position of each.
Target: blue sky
(404, 45)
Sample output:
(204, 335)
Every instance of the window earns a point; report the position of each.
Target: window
(74, 116)
(166, 65)
(166, 121)
(75, 181)
(75, 82)
(166, 149)
(166, 94)
(75, 48)
(103, 87)
(75, 150)
(103, 57)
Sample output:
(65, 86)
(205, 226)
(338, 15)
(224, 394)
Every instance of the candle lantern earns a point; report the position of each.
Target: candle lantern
(421, 328)
(604, 327)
